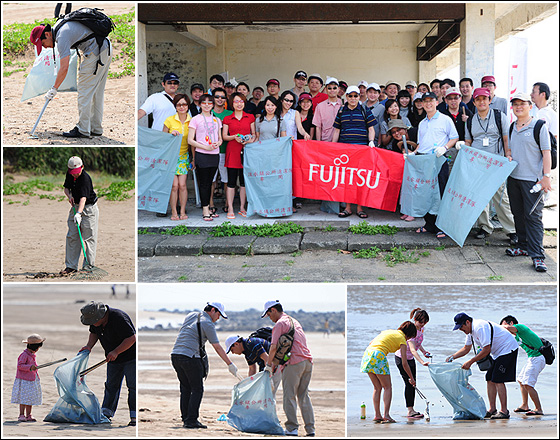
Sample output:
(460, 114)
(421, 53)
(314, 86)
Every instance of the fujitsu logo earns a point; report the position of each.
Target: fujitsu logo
(339, 174)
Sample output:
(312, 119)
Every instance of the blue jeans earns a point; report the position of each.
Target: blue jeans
(191, 375)
(115, 374)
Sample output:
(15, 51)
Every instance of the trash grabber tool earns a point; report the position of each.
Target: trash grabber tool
(196, 192)
(90, 369)
(427, 412)
(537, 202)
(32, 135)
(48, 364)
(405, 144)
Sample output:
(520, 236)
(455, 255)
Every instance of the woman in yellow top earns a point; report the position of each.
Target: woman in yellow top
(178, 124)
(374, 363)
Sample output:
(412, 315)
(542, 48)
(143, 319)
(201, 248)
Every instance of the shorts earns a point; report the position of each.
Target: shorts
(374, 361)
(233, 174)
(183, 165)
(503, 369)
(531, 371)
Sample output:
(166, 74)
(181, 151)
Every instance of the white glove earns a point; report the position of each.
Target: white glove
(440, 151)
(459, 145)
(232, 369)
(449, 358)
(51, 93)
(78, 218)
(269, 369)
(372, 144)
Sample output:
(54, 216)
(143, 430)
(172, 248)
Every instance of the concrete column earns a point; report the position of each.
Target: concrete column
(141, 68)
(477, 41)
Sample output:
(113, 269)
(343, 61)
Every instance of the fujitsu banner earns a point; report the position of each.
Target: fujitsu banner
(347, 173)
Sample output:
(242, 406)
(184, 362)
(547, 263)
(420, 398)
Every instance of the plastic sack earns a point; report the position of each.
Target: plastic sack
(77, 403)
(253, 408)
(452, 380)
(43, 74)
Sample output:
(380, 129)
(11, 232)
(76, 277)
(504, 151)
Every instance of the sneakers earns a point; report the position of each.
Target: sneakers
(538, 264)
(132, 421)
(517, 252)
(481, 233)
(513, 239)
(67, 271)
(74, 133)
(292, 433)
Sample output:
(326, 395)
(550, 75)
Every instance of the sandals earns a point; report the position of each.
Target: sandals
(175, 218)
(538, 264)
(362, 214)
(490, 414)
(517, 252)
(521, 410)
(30, 418)
(213, 210)
(207, 218)
(421, 230)
(416, 415)
(22, 418)
(500, 415)
(183, 217)
(231, 217)
(534, 412)
(441, 234)
(377, 420)
(344, 214)
(243, 213)
(388, 420)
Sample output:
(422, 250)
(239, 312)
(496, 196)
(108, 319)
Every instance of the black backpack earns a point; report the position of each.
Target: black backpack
(536, 135)
(95, 20)
(262, 333)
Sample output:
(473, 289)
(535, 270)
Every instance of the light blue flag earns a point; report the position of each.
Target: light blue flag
(267, 168)
(420, 186)
(474, 179)
(158, 153)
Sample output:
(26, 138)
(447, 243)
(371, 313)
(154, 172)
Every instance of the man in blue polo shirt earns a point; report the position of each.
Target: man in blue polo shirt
(436, 134)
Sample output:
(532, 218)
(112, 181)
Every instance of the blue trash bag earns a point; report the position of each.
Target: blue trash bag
(452, 381)
(253, 407)
(77, 403)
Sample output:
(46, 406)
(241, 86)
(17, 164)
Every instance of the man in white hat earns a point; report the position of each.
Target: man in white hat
(84, 214)
(188, 358)
(114, 329)
(362, 85)
(296, 371)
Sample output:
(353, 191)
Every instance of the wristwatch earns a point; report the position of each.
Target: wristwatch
(547, 175)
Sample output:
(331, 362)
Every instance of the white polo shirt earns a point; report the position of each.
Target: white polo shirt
(551, 118)
(159, 105)
(503, 342)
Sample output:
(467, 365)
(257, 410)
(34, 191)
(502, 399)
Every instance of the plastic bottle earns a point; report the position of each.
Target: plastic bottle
(536, 188)
(363, 411)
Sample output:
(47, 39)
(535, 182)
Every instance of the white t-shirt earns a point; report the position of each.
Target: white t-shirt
(551, 118)
(503, 342)
(161, 108)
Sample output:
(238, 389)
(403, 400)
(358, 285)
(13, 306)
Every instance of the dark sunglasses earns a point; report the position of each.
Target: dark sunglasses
(291, 101)
(175, 83)
(219, 97)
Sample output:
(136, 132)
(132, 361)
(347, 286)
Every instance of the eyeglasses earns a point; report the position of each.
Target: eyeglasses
(207, 103)
(291, 101)
(332, 88)
(238, 101)
(219, 97)
(453, 97)
(182, 104)
(173, 83)
(353, 96)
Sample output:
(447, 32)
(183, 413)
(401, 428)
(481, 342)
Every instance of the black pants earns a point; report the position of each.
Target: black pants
(191, 375)
(232, 174)
(408, 388)
(443, 177)
(206, 167)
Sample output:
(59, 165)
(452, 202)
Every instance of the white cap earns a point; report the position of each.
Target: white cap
(230, 341)
(268, 305)
(351, 89)
(417, 96)
(411, 83)
(75, 162)
(452, 91)
(374, 86)
(522, 96)
(220, 308)
(363, 83)
(330, 80)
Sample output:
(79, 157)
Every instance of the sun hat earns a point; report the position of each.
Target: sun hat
(521, 96)
(481, 91)
(397, 123)
(411, 84)
(460, 319)
(230, 341)
(220, 307)
(351, 89)
(268, 305)
(417, 96)
(35, 37)
(387, 84)
(34, 339)
(92, 312)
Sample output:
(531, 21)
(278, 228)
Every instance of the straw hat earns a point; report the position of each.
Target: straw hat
(34, 339)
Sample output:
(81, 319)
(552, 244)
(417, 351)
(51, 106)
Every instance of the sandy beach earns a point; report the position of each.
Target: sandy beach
(53, 311)
(159, 389)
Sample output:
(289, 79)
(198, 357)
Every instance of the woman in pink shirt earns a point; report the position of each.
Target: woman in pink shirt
(420, 318)
(27, 386)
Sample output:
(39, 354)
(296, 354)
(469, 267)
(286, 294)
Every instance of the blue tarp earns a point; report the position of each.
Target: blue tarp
(474, 179)
(420, 187)
(267, 169)
(158, 153)
(253, 407)
(77, 403)
(452, 380)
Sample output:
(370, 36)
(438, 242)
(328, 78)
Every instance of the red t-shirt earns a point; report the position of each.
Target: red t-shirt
(319, 97)
(233, 148)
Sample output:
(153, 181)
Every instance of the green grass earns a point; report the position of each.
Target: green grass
(495, 278)
(365, 228)
(181, 230)
(227, 229)
(400, 255)
(367, 253)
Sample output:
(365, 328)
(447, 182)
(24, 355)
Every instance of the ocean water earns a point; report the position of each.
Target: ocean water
(371, 309)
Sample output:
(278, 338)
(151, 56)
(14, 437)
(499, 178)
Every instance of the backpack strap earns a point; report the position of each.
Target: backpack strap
(498, 118)
(537, 132)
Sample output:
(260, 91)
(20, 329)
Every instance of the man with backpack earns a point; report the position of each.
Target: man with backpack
(487, 131)
(85, 30)
(296, 363)
(529, 145)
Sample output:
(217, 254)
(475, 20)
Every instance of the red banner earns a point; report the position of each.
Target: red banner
(348, 173)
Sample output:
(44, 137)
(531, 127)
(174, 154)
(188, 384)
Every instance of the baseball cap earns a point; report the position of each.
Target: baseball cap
(273, 81)
(316, 76)
(197, 86)
(452, 91)
(521, 96)
(488, 78)
(331, 80)
(75, 165)
(230, 341)
(374, 86)
(305, 95)
(363, 83)
(343, 84)
(170, 77)
(411, 84)
(92, 312)
(417, 96)
(300, 74)
(429, 95)
(35, 37)
(460, 319)
(481, 91)
(268, 305)
(351, 89)
(397, 123)
(220, 307)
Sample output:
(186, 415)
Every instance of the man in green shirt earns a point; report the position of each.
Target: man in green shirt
(527, 378)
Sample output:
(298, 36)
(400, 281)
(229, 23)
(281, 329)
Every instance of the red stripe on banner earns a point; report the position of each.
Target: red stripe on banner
(348, 173)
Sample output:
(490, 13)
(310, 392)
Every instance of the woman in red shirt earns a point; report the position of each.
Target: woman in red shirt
(239, 130)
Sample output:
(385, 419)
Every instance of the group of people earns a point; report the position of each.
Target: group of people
(116, 333)
(436, 118)
(189, 359)
(500, 342)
